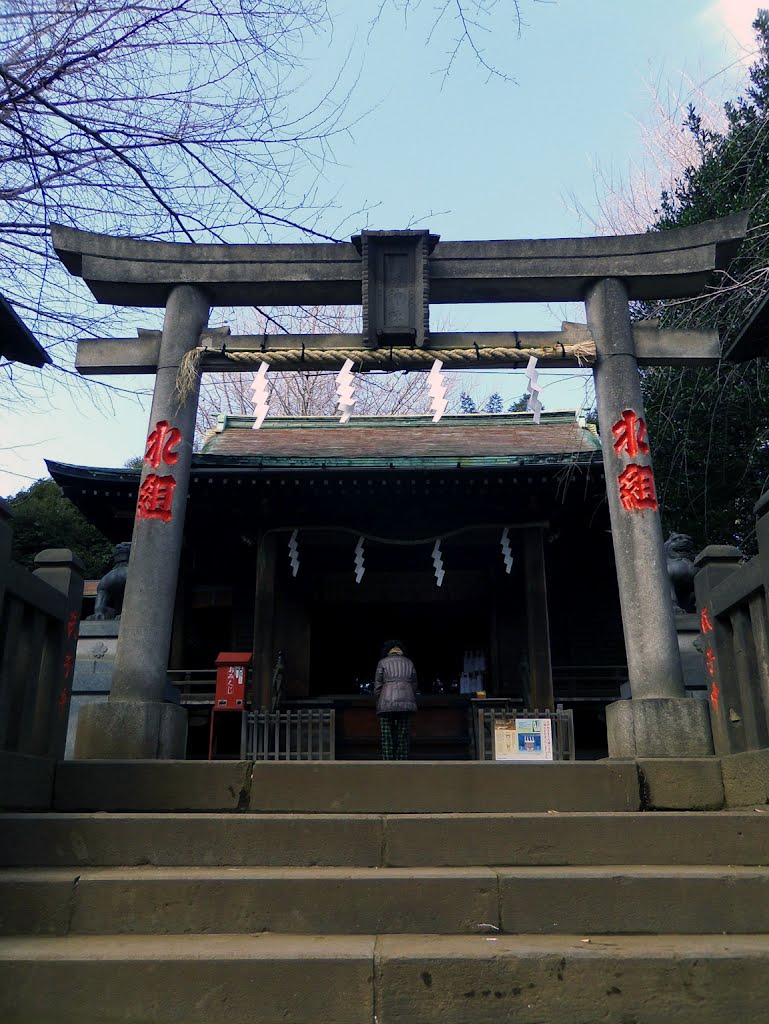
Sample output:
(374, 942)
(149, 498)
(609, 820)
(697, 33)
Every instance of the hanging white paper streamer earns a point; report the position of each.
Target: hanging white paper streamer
(437, 390)
(360, 568)
(535, 388)
(438, 563)
(261, 393)
(346, 391)
(293, 552)
(507, 553)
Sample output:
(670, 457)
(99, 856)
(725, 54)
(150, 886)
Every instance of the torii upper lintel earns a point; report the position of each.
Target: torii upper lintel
(654, 265)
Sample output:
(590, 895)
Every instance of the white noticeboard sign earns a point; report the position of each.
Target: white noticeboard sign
(525, 739)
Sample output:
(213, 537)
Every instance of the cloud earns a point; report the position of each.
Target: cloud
(731, 20)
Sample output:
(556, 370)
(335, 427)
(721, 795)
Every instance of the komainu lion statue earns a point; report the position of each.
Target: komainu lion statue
(679, 549)
(109, 593)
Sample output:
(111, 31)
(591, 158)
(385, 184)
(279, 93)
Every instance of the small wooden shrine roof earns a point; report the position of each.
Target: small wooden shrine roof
(17, 343)
(401, 441)
(314, 461)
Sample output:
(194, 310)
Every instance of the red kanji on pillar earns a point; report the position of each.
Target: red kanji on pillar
(69, 661)
(636, 487)
(72, 626)
(715, 694)
(156, 496)
(629, 433)
(705, 624)
(710, 659)
(161, 445)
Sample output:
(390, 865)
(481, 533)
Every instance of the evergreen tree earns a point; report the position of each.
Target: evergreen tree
(44, 518)
(466, 403)
(494, 403)
(710, 426)
(520, 404)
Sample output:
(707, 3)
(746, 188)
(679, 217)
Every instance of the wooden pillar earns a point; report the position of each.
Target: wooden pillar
(537, 622)
(264, 618)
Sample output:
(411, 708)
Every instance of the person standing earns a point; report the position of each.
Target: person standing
(395, 688)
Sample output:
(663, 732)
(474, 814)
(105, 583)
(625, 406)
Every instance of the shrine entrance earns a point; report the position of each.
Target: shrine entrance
(395, 277)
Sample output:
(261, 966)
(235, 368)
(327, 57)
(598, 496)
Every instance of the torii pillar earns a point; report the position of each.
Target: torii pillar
(135, 722)
(659, 720)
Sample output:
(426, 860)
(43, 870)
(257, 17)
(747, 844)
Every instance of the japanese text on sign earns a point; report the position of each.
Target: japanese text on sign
(524, 739)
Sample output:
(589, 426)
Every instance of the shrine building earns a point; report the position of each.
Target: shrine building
(543, 623)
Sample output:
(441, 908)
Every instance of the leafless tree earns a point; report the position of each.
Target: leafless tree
(180, 120)
(627, 200)
(479, 28)
(165, 120)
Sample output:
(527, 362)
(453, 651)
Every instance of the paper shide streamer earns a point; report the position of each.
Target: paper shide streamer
(534, 388)
(261, 392)
(345, 389)
(507, 552)
(293, 552)
(360, 568)
(438, 563)
(437, 387)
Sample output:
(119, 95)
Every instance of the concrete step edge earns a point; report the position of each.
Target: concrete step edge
(275, 945)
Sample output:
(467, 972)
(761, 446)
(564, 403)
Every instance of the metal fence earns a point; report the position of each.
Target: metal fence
(39, 621)
(304, 735)
(486, 713)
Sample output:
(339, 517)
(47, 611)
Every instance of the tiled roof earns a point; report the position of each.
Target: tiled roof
(468, 440)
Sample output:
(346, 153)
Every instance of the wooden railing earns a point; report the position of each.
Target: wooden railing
(732, 605)
(39, 620)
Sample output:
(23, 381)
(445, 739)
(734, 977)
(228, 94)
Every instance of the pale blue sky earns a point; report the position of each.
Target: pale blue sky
(466, 156)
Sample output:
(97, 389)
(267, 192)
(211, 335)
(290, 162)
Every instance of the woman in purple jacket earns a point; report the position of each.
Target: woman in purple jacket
(395, 688)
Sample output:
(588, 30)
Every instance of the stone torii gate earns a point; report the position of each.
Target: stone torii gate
(395, 275)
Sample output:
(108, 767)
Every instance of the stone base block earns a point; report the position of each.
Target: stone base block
(659, 727)
(129, 730)
(746, 778)
(26, 781)
(682, 784)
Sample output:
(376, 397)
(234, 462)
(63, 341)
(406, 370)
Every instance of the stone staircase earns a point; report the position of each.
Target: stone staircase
(404, 893)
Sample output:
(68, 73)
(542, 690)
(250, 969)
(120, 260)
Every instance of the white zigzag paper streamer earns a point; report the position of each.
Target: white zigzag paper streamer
(507, 552)
(535, 388)
(346, 391)
(437, 390)
(360, 568)
(438, 563)
(293, 552)
(261, 393)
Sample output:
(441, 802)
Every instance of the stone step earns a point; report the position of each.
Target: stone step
(368, 840)
(345, 787)
(629, 899)
(414, 979)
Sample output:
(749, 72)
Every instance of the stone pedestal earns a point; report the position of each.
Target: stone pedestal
(92, 680)
(132, 730)
(659, 727)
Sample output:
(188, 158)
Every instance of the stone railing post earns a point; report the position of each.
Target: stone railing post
(717, 562)
(658, 720)
(6, 539)
(760, 608)
(135, 722)
(64, 571)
